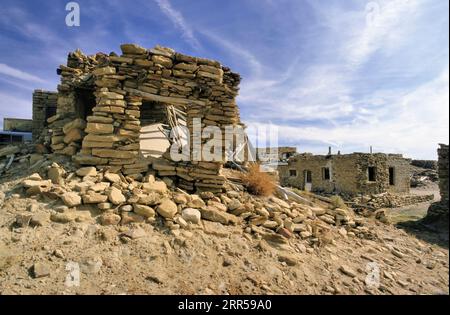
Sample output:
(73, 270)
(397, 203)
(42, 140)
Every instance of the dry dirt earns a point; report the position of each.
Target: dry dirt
(215, 259)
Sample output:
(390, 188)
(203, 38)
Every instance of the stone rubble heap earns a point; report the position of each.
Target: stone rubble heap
(123, 200)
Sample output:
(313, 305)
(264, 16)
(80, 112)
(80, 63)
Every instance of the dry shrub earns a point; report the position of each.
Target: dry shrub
(257, 182)
(337, 202)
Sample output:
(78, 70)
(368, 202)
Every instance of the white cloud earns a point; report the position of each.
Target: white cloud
(19, 74)
(178, 20)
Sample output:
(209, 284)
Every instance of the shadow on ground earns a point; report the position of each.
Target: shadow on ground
(433, 233)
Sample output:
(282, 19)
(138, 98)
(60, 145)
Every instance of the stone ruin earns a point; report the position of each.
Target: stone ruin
(104, 102)
(438, 211)
(350, 174)
(44, 107)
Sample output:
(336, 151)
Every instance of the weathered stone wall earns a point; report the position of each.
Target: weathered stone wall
(202, 88)
(17, 124)
(275, 154)
(439, 211)
(44, 102)
(443, 173)
(348, 173)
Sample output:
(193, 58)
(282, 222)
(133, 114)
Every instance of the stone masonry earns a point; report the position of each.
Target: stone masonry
(44, 106)
(99, 109)
(439, 211)
(347, 173)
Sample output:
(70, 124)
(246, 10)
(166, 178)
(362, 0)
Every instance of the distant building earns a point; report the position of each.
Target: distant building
(17, 124)
(352, 174)
(275, 154)
(11, 137)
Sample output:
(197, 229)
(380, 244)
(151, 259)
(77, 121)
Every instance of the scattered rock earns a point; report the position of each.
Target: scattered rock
(191, 215)
(167, 208)
(115, 196)
(71, 199)
(41, 270)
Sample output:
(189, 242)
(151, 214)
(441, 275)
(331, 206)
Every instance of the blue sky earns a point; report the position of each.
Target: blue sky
(346, 74)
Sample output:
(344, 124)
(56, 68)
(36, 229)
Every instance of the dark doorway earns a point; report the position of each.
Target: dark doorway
(153, 112)
(50, 111)
(326, 173)
(84, 102)
(391, 176)
(292, 173)
(308, 177)
(371, 173)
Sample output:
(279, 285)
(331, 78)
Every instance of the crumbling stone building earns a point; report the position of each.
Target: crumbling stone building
(439, 211)
(104, 102)
(44, 107)
(351, 174)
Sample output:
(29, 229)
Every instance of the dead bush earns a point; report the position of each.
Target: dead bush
(337, 202)
(257, 182)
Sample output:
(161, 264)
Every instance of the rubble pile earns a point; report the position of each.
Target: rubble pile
(115, 199)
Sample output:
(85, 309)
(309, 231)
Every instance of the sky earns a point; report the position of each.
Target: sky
(347, 74)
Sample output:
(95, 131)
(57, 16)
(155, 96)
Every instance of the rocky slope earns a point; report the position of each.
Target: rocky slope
(66, 230)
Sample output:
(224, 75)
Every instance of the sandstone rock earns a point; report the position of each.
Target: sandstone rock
(86, 171)
(135, 233)
(115, 196)
(126, 208)
(167, 208)
(181, 198)
(91, 265)
(97, 128)
(217, 205)
(113, 178)
(191, 215)
(196, 202)
(41, 270)
(131, 217)
(65, 217)
(109, 219)
(289, 259)
(346, 270)
(71, 199)
(212, 214)
(156, 186)
(94, 198)
(143, 210)
(104, 206)
(55, 174)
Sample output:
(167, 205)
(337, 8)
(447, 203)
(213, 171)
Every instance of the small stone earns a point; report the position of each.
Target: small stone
(167, 208)
(41, 270)
(58, 253)
(144, 211)
(285, 232)
(135, 233)
(290, 260)
(115, 196)
(71, 199)
(347, 271)
(113, 178)
(87, 171)
(109, 219)
(104, 206)
(126, 208)
(191, 215)
(91, 265)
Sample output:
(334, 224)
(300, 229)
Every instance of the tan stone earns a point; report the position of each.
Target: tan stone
(71, 199)
(167, 208)
(97, 128)
(115, 196)
(143, 210)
